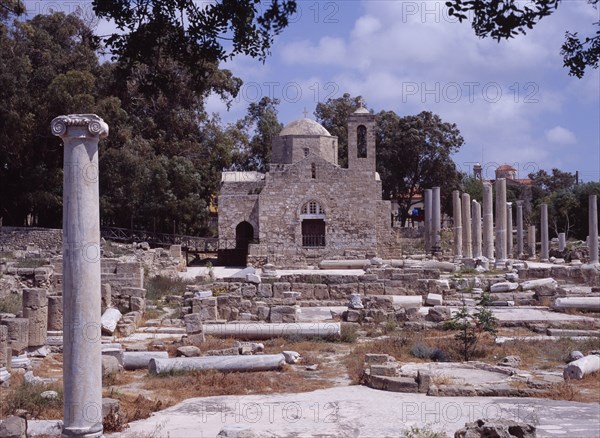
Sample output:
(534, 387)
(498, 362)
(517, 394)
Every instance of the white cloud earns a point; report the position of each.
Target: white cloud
(560, 135)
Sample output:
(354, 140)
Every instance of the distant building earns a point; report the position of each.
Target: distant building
(306, 207)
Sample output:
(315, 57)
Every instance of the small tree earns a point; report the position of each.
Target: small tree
(472, 327)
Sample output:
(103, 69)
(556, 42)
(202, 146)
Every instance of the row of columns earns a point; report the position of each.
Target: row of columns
(474, 235)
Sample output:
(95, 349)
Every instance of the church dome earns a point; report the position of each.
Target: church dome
(304, 127)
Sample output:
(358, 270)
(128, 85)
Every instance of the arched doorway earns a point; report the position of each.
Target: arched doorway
(312, 216)
(244, 234)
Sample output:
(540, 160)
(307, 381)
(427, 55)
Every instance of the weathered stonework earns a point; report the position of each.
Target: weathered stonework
(307, 207)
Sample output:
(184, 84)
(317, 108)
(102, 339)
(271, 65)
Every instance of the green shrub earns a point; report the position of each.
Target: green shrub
(12, 303)
(348, 333)
(159, 287)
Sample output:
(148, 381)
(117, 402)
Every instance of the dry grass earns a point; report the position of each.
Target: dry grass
(27, 397)
(541, 355)
(441, 379)
(398, 347)
(584, 390)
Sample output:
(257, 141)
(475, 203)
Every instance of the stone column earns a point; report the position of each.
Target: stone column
(82, 356)
(593, 228)
(501, 219)
(428, 211)
(476, 228)
(35, 308)
(531, 240)
(545, 251)
(436, 217)
(55, 313)
(562, 241)
(509, 230)
(457, 216)
(3, 346)
(520, 229)
(466, 220)
(18, 334)
(488, 222)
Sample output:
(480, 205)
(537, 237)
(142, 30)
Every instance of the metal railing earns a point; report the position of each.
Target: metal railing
(313, 240)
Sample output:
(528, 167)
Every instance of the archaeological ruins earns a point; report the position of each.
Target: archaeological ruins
(332, 308)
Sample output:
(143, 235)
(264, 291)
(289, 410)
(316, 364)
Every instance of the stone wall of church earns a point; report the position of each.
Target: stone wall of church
(352, 202)
(234, 209)
(290, 149)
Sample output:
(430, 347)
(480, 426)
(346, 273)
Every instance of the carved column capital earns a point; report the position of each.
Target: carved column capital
(88, 124)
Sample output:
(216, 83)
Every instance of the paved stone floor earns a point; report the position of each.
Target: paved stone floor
(358, 411)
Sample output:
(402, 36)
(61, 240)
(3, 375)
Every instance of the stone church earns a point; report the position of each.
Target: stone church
(307, 208)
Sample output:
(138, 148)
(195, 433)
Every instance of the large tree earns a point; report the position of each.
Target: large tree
(415, 153)
(504, 19)
(333, 115)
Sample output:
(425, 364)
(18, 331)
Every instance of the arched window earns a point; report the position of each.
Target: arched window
(313, 170)
(361, 141)
(313, 208)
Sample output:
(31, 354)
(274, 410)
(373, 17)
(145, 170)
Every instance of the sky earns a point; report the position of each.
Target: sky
(513, 101)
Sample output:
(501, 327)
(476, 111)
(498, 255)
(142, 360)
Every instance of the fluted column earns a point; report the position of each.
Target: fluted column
(436, 218)
(531, 240)
(82, 357)
(544, 238)
(428, 212)
(593, 228)
(488, 221)
(457, 216)
(501, 219)
(509, 231)
(476, 228)
(466, 220)
(519, 228)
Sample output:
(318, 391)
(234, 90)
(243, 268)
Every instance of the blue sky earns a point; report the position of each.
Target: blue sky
(513, 101)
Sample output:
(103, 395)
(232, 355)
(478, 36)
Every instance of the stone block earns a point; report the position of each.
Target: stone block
(322, 292)
(342, 291)
(306, 290)
(265, 290)
(18, 333)
(249, 291)
(262, 312)
(193, 323)
(13, 427)
(280, 288)
(374, 289)
(137, 304)
(353, 315)
(55, 313)
(284, 314)
(253, 278)
(434, 299)
(389, 370)
(35, 298)
(110, 365)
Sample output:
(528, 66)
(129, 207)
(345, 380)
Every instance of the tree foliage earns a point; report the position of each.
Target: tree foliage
(159, 167)
(333, 115)
(509, 18)
(415, 153)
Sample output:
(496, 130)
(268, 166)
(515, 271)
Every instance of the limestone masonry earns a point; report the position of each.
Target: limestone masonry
(307, 207)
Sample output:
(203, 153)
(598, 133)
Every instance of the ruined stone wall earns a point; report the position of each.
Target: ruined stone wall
(20, 238)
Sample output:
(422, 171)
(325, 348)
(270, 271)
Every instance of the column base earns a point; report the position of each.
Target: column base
(96, 431)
